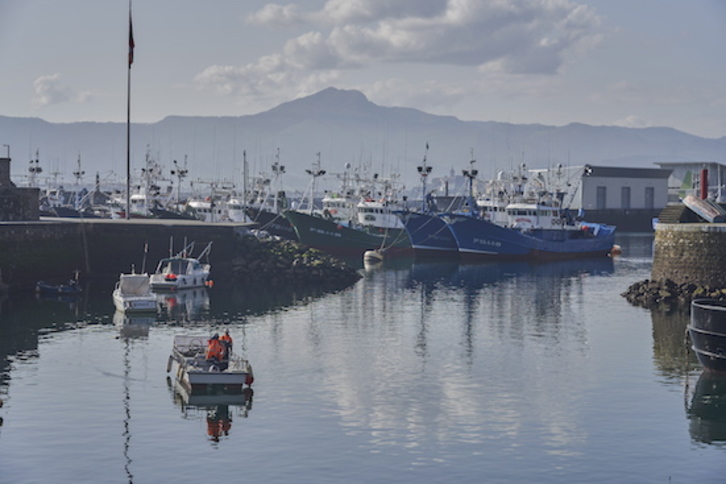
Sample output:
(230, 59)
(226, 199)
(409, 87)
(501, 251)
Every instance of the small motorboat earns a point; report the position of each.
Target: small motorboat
(182, 271)
(133, 294)
(48, 288)
(192, 369)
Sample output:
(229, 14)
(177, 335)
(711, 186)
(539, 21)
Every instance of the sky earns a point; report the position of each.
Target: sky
(634, 63)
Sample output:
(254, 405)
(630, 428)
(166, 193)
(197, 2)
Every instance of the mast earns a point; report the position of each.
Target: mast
(471, 173)
(424, 171)
(128, 118)
(245, 188)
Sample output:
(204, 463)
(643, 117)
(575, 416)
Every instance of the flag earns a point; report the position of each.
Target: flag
(131, 42)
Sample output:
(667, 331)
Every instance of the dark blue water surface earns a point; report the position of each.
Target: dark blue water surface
(421, 372)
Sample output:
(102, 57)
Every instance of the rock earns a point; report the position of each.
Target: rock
(666, 293)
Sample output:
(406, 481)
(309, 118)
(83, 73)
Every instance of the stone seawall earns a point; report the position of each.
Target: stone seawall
(690, 253)
(689, 262)
(53, 250)
(102, 249)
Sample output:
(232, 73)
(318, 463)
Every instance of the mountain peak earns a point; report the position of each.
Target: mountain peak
(329, 99)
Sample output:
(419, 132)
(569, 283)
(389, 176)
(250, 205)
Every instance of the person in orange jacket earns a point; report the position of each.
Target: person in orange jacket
(215, 351)
(226, 340)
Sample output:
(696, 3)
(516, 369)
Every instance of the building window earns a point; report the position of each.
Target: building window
(601, 201)
(625, 198)
(649, 197)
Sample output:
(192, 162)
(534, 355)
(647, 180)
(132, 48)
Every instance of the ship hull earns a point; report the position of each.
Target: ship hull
(271, 222)
(429, 234)
(482, 239)
(336, 238)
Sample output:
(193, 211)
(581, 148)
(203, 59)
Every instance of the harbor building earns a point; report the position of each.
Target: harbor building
(16, 203)
(629, 198)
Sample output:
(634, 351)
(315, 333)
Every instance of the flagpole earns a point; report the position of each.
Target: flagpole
(128, 119)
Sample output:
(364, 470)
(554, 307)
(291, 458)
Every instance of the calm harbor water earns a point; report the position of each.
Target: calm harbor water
(421, 372)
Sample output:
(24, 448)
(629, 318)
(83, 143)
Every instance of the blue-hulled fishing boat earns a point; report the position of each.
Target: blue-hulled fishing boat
(534, 231)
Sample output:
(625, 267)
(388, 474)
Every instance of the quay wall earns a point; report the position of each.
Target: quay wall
(53, 250)
(694, 253)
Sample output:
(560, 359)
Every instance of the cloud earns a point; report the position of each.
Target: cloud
(49, 91)
(496, 37)
(269, 77)
(517, 36)
(274, 15)
(632, 121)
(336, 12)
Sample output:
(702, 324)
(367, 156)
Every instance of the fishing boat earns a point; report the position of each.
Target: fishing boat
(338, 238)
(374, 227)
(268, 202)
(132, 294)
(274, 223)
(707, 330)
(182, 271)
(534, 231)
(193, 370)
(429, 234)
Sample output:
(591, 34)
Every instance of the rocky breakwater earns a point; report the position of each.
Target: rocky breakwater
(280, 263)
(666, 293)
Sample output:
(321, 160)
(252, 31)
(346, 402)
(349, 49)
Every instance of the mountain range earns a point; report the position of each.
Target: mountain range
(335, 127)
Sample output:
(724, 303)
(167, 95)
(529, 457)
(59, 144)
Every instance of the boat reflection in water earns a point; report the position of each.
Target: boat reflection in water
(476, 276)
(707, 409)
(218, 408)
(184, 304)
(133, 325)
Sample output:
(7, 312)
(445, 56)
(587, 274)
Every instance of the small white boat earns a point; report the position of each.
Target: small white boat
(133, 294)
(188, 362)
(182, 271)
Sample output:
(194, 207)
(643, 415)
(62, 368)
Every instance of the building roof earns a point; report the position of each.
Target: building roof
(625, 172)
(689, 163)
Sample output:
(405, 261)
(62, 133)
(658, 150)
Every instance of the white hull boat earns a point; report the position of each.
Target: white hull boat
(132, 294)
(191, 368)
(182, 271)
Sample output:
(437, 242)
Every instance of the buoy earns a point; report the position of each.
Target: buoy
(209, 283)
(616, 250)
(372, 256)
(168, 364)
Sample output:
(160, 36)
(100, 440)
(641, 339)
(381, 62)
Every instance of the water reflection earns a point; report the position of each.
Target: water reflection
(671, 349)
(133, 325)
(218, 409)
(707, 409)
(522, 298)
(451, 331)
(184, 305)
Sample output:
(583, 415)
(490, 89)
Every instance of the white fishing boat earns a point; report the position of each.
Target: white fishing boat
(193, 370)
(133, 294)
(182, 271)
